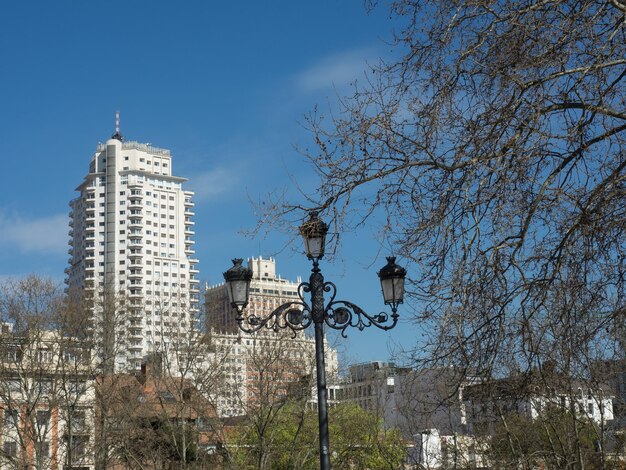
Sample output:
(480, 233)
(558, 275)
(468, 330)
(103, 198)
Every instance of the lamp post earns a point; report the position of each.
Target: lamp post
(297, 315)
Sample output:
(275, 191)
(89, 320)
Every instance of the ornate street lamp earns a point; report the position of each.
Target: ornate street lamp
(298, 314)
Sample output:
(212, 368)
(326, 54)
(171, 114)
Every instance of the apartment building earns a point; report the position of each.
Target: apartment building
(131, 251)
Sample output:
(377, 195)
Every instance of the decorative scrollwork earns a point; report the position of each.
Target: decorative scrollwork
(341, 314)
(294, 315)
(297, 315)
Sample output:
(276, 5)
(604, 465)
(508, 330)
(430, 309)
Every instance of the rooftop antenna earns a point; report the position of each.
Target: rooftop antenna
(117, 134)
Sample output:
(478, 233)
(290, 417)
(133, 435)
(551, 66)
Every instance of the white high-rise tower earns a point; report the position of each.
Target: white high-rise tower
(132, 251)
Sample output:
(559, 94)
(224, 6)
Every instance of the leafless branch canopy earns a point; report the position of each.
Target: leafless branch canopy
(491, 155)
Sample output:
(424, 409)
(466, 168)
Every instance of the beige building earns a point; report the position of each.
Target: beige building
(260, 367)
(267, 291)
(47, 399)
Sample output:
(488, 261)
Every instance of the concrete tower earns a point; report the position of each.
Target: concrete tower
(132, 252)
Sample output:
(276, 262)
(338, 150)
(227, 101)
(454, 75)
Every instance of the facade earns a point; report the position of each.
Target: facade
(531, 397)
(131, 251)
(370, 385)
(260, 369)
(613, 373)
(46, 401)
(267, 291)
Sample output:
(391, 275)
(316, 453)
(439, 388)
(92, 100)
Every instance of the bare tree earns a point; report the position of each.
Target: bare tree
(491, 155)
(46, 379)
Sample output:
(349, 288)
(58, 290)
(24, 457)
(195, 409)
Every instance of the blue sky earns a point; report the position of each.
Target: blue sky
(224, 85)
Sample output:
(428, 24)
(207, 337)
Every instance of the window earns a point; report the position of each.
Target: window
(78, 420)
(79, 447)
(10, 449)
(43, 418)
(11, 417)
(77, 387)
(44, 355)
(43, 449)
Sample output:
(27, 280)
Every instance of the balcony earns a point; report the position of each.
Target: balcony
(136, 223)
(135, 315)
(135, 254)
(135, 275)
(135, 332)
(188, 231)
(189, 203)
(135, 204)
(134, 233)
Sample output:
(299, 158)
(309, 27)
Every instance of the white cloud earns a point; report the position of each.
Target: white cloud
(336, 70)
(211, 184)
(42, 235)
